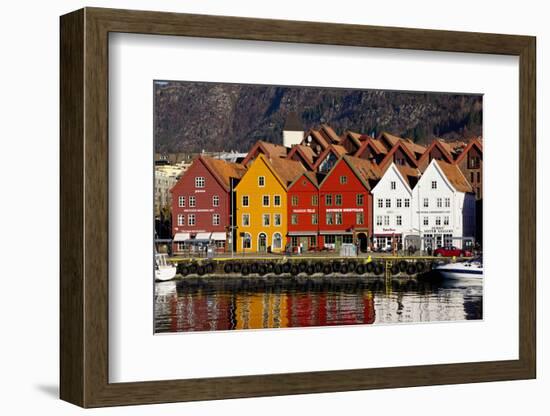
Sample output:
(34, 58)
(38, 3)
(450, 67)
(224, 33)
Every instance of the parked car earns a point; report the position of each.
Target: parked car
(451, 251)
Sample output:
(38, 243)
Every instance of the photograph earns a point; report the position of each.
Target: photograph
(282, 206)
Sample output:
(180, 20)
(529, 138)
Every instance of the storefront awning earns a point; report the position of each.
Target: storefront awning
(180, 237)
(331, 232)
(202, 236)
(219, 236)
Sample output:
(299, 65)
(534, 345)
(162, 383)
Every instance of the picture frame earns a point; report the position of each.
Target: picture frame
(84, 170)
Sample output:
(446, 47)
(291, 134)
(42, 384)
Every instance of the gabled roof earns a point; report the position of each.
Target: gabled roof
(476, 142)
(311, 176)
(389, 156)
(408, 175)
(305, 152)
(392, 140)
(337, 150)
(366, 171)
(325, 136)
(287, 170)
(267, 148)
(374, 144)
(329, 133)
(443, 148)
(454, 175)
(223, 171)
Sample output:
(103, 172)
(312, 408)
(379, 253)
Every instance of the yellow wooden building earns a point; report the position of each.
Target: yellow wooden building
(261, 204)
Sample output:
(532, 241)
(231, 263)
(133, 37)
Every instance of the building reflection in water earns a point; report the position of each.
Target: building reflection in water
(212, 310)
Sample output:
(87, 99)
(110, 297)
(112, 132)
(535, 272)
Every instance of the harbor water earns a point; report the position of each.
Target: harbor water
(185, 309)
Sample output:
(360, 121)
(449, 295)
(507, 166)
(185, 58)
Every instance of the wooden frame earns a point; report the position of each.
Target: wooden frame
(84, 207)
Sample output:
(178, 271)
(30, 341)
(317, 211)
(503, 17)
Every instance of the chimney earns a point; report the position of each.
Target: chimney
(293, 132)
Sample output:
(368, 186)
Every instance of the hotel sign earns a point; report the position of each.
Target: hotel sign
(303, 211)
(344, 210)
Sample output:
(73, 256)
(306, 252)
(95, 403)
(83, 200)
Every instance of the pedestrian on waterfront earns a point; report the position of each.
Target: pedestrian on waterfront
(301, 248)
(429, 250)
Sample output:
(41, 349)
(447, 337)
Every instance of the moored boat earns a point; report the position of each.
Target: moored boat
(472, 269)
(163, 270)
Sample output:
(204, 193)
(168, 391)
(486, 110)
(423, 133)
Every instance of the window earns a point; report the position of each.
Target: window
(330, 218)
(277, 219)
(245, 200)
(246, 220)
(181, 246)
(191, 219)
(277, 200)
(215, 219)
(393, 185)
(343, 180)
(439, 202)
(265, 200)
(388, 203)
(338, 200)
(215, 201)
(192, 201)
(294, 200)
(294, 241)
(199, 182)
(386, 220)
(447, 202)
(380, 203)
(181, 201)
(247, 241)
(181, 219)
(379, 220)
(360, 199)
(437, 220)
(445, 220)
(434, 184)
(294, 219)
(479, 176)
(426, 221)
(313, 241)
(328, 200)
(330, 239)
(398, 202)
(315, 200)
(277, 240)
(338, 218)
(425, 202)
(314, 219)
(265, 220)
(261, 181)
(347, 239)
(398, 220)
(407, 202)
(471, 177)
(359, 218)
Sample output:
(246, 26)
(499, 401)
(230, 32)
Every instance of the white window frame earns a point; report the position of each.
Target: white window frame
(181, 219)
(343, 179)
(398, 220)
(214, 218)
(393, 185)
(399, 202)
(263, 200)
(446, 220)
(181, 201)
(447, 202)
(264, 216)
(246, 237)
(215, 200)
(426, 221)
(277, 220)
(261, 181)
(434, 184)
(273, 239)
(386, 220)
(242, 220)
(388, 202)
(380, 203)
(426, 203)
(439, 202)
(407, 203)
(379, 220)
(247, 201)
(275, 198)
(200, 182)
(338, 218)
(192, 201)
(438, 220)
(191, 219)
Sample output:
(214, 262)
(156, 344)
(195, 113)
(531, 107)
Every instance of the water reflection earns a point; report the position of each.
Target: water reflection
(209, 308)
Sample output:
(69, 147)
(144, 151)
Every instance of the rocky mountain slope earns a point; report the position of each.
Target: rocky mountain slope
(194, 116)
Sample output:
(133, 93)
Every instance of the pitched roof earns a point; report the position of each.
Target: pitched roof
(286, 169)
(223, 170)
(305, 151)
(337, 150)
(267, 148)
(314, 178)
(330, 133)
(474, 142)
(408, 143)
(443, 147)
(293, 122)
(398, 145)
(375, 144)
(454, 176)
(366, 170)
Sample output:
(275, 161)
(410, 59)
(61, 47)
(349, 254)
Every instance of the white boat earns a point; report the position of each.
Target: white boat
(472, 269)
(163, 270)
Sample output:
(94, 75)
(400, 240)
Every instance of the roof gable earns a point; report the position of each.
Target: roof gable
(397, 146)
(474, 142)
(393, 170)
(436, 143)
(266, 148)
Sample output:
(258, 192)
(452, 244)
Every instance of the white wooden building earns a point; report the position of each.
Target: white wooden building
(443, 206)
(392, 206)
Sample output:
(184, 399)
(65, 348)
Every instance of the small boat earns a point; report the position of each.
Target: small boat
(472, 269)
(163, 270)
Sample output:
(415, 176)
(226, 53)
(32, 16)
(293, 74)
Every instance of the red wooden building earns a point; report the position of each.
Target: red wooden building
(303, 212)
(345, 203)
(201, 203)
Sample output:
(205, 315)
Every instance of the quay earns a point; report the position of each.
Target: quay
(277, 266)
